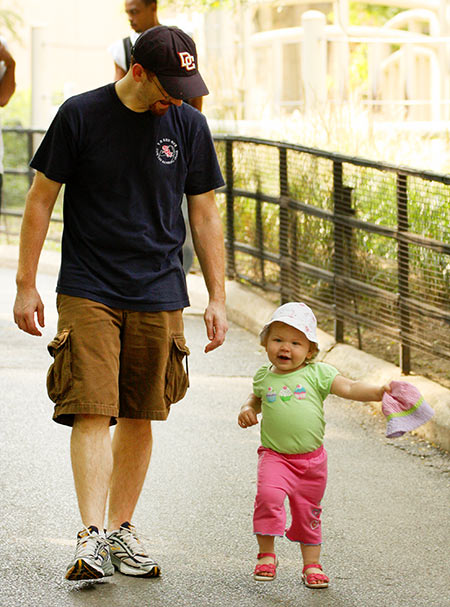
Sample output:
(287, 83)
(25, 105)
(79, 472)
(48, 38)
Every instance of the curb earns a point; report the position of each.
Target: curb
(48, 261)
(251, 311)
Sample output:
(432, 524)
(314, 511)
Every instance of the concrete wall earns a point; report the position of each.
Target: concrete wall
(76, 35)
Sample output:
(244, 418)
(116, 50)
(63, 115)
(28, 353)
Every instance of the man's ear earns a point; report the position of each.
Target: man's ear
(138, 72)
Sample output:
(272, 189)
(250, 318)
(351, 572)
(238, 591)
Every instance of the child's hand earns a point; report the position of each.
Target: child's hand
(386, 388)
(247, 417)
(381, 390)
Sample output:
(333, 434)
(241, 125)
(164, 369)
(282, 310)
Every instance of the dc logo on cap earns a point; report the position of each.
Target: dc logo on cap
(166, 151)
(187, 61)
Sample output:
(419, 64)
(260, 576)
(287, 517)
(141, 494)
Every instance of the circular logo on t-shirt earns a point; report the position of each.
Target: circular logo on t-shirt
(166, 151)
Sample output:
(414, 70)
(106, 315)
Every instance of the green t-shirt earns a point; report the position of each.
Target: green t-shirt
(292, 406)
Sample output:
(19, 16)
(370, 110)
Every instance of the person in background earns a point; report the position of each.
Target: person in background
(7, 88)
(142, 15)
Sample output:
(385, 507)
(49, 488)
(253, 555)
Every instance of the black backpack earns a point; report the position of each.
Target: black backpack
(127, 47)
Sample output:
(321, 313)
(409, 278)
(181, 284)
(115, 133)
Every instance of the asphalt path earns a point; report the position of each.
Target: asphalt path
(386, 524)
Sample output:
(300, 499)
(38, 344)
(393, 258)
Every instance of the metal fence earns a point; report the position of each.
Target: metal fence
(19, 145)
(364, 243)
(23, 144)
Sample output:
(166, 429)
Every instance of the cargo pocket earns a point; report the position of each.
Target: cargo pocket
(59, 376)
(177, 378)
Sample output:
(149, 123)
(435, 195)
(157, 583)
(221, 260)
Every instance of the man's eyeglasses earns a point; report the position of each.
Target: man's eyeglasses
(163, 93)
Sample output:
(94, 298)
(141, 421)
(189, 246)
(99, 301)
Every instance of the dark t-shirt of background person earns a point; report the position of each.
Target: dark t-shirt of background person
(125, 174)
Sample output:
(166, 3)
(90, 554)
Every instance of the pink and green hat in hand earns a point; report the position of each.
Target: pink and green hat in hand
(405, 409)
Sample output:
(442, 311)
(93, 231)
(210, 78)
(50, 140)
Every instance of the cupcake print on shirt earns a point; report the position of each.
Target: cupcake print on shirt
(285, 394)
(271, 395)
(299, 392)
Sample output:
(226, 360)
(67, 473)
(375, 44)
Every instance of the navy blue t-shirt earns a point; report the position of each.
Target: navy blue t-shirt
(125, 174)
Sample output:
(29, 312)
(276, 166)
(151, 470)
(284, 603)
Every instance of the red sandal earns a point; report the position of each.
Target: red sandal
(270, 568)
(314, 580)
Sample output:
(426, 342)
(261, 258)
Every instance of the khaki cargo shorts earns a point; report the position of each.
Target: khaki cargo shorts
(115, 362)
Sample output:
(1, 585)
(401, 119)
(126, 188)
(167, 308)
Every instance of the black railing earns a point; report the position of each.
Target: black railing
(19, 145)
(365, 242)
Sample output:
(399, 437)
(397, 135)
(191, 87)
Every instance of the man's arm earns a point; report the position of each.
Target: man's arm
(8, 82)
(38, 209)
(207, 235)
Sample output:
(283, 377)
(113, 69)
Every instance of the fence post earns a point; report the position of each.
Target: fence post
(260, 231)
(285, 282)
(229, 176)
(403, 271)
(338, 249)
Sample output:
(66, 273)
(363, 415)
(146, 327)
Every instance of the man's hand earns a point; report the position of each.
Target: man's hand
(216, 325)
(8, 82)
(27, 304)
(36, 218)
(5, 55)
(207, 235)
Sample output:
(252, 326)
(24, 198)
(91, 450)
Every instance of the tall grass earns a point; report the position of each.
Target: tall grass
(374, 258)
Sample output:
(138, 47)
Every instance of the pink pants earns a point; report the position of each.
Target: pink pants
(300, 477)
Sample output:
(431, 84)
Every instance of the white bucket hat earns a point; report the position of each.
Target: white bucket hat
(297, 315)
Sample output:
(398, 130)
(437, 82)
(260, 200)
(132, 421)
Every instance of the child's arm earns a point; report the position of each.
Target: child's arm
(249, 411)
(357, 390)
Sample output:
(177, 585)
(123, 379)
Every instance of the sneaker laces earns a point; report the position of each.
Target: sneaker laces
(133, 543)
(87, 545)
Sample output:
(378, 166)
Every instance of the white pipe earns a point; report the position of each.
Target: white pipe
(39, 97)
(314, 59)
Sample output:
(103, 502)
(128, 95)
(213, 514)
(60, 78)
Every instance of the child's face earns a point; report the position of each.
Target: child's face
(287, 348)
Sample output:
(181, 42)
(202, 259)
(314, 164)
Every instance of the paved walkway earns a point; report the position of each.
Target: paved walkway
(385, 510)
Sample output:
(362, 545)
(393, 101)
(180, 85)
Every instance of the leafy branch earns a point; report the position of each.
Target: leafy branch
(10, 21)
(204, 5)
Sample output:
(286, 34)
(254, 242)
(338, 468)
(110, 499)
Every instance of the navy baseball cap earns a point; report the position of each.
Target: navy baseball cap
(170, 53)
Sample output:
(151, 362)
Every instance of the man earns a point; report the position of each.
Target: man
(142, 15)
(7, 88)
(126, 152)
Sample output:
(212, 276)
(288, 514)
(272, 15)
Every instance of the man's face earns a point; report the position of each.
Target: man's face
(154, 97)
(140, 15)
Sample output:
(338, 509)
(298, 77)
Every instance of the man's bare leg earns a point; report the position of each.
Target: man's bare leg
(132, 449)
(92, 464)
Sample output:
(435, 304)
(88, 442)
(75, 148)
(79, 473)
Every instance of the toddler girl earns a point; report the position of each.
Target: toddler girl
(289, 392)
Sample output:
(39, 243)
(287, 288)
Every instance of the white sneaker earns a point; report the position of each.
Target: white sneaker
(92, 558)
(128, 555)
